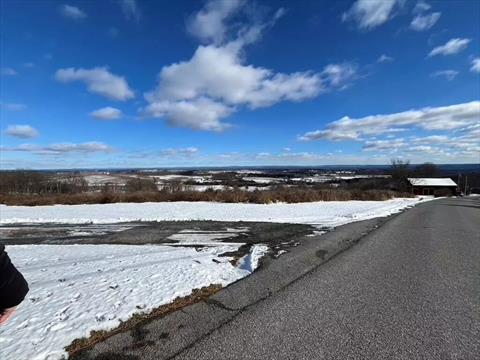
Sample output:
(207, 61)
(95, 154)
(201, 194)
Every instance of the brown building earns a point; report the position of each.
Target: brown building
(433, 186)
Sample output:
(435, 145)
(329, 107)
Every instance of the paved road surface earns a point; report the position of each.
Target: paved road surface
(409, 290)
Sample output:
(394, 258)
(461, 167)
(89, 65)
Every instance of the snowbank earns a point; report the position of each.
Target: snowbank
(331, 213)
(78, 288)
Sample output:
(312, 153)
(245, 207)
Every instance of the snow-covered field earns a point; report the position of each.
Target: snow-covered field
(78, 288)
(331, 213)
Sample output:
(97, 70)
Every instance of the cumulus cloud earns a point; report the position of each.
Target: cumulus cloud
(209, 23)
(475, 65)
(369, 14)
(99, 80)
(217, 72)
(106, 113)
(447, 74)
(424, 22)
(21, 131)
(384, 58)
(197, 114)
(199, 93)
(72, 12)
(131, 10)
(6, 71)
(63, 148)
(452, 47)
(216, 82)
(436, 118)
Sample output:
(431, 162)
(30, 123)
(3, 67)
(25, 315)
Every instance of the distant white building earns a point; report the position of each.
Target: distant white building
(432, 186)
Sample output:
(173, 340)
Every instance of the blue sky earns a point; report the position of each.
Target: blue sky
(189, 83)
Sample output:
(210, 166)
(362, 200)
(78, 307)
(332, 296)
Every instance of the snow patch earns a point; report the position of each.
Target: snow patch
(251, 261)
(75, 289)
(329, 213)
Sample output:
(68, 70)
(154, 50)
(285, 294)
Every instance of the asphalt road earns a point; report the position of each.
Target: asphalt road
(409, 289)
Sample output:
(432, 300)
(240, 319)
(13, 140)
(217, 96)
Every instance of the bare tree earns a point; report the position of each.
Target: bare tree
(139, 184)
(400, 171)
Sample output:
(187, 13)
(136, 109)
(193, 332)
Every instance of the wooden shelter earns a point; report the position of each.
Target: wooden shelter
(433, 186)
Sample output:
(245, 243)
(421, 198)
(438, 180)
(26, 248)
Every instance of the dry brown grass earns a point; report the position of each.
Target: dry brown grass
(281, 194)
(140, 319)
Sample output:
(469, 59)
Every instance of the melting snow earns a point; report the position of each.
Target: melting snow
(330, 213)
(79, 288)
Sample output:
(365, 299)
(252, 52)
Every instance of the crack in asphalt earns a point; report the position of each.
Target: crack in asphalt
(219, 304)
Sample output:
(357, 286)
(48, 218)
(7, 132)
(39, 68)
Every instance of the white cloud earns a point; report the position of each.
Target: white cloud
(432, 139)
(216, 82)
(87, 147)
(369, 14)
(424, 22)
(330, 134)
(475, 65)
(420, 7)
(6, 71)
(209, 23)
(183, 152)
(383, 145)
(98, 80)
(197, 114)
(431, 148)
(448, 74)
(220, 22)
(131, 10)
(338, 76)
(200, 92)
(72, 12)
(384, 58)
(63, 148)
(438, 118)
(453, 46)
(28, 65)
(106, 113)
(13, 106)
(21, 131)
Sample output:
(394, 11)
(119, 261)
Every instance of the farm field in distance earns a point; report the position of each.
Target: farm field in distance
(229, 185)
